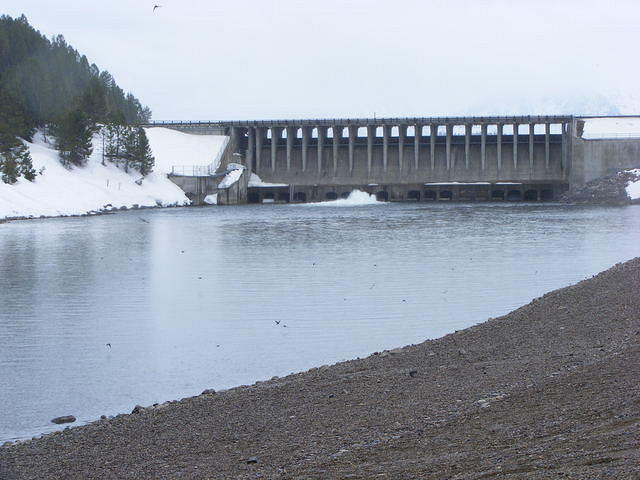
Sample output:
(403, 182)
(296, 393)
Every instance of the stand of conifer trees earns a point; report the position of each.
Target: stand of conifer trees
(47, 84)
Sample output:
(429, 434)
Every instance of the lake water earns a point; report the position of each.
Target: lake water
(190, 298)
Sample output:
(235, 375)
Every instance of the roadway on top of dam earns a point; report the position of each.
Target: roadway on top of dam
(387, 121)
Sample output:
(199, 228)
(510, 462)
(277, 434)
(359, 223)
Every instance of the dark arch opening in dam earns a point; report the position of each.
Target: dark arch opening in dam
(514, 196)
(430, 195)
(531, 196)
(413, 195)
(497, 195)
(546, 195)
(382, 196)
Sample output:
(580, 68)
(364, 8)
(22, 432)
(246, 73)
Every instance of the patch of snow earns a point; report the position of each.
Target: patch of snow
(356, 198)
(235, 166)
(230, 178)
(633, 188)
(211, 199)
(256, 181)
(173, 148)
(594, 128)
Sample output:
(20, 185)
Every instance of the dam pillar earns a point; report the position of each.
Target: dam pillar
(449, 130)
(337, 136)
(276, 133)
(306, 135)
(371, 135)
(402, 134)
(433, 133)
(353, 134)
(467, 143)
(515, 145)
(291, 138)
(417, 136)
(386, 132)
(531, 142)
(261, 133)
(322, 135)
(234, 139)
(563, 160)
(483, 145)
(499, 145)
(547, 132)
(251, 148)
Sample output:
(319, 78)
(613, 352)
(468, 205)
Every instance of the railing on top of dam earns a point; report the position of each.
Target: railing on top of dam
(390, 121)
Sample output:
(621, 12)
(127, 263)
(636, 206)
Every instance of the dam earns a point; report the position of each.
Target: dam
(500, 158)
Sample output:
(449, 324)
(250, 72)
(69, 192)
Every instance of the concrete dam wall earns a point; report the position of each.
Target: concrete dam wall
(532, 158)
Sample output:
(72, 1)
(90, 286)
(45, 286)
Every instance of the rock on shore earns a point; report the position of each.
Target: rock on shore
(548, 391)
(609, 190)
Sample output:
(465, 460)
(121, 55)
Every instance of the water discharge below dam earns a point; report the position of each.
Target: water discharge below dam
(211, 298)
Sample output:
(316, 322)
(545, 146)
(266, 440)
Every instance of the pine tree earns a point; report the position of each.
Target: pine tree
(73, 134)
(114, 135)
(144, 160)
(137, 152)
(10, 170)
(25, 167)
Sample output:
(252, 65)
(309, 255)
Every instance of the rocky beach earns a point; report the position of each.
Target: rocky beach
(550, 390)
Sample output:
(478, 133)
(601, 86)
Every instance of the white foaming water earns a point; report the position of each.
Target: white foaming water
(356, 198)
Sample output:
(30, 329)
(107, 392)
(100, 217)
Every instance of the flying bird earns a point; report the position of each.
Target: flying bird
(156, 6)
(108, 345)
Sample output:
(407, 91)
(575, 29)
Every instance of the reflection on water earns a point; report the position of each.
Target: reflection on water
(190, 298)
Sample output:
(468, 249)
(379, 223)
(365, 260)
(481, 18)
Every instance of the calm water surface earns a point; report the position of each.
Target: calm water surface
(189, 298)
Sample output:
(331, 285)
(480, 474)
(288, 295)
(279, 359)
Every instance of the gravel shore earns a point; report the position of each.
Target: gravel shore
(551, 390)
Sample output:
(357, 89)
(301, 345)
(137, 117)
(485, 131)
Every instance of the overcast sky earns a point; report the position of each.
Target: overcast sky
(256, 59)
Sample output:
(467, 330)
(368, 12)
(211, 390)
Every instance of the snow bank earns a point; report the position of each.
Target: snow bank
(595, 128)
(256, 181)
(633, 188)
(211, 199)
(230, 178)
(172, 148)
(95, 187)
(356, 198)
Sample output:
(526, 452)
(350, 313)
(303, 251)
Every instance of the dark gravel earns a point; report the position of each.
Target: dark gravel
(551, 390)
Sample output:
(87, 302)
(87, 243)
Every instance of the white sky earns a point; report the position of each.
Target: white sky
(253, 59)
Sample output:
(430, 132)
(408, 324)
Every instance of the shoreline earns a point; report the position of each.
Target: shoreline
(97, 213)
(556, 371)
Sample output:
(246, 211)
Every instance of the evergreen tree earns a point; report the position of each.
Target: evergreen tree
(73, 134)
(9, 168)
(15, 159)
(26, 163)
(137, 152)
(144, 160)
(114, 135)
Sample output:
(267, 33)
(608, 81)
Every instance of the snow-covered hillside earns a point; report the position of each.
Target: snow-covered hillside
(95, 187)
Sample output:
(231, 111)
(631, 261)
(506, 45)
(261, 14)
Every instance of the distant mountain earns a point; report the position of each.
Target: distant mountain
(569, 103)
